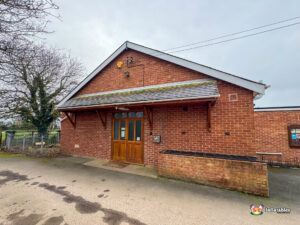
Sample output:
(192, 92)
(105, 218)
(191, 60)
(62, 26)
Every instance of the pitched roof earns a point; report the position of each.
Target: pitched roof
(256, 87)
(195, 89)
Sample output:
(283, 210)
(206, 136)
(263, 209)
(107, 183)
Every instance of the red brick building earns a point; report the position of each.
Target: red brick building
(146, 107)
(139, 102)
(277, 134)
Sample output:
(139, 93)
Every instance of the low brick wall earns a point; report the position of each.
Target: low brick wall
(245, 176)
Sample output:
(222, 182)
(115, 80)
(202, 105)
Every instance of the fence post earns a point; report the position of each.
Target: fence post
(8, 140)
(24, 140)
(42, 143)
(0, 138)
(33, 140)
(5, 138)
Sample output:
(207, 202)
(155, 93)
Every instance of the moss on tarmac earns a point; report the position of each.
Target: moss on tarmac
(11, 155)
(14, 155)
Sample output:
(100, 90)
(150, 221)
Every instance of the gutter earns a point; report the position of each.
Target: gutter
(280, 108)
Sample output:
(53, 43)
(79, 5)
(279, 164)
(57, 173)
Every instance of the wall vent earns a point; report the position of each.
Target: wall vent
(233, 97)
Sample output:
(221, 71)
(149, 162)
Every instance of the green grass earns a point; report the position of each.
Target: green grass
(20, 133)
(3, 137)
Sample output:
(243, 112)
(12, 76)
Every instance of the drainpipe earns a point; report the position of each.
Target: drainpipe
(162, 135)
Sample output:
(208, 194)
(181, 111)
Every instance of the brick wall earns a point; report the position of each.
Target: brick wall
(187, 130)
(249, 177)
(183, 130)
(271, 134)
(156, 72)
(89, 136)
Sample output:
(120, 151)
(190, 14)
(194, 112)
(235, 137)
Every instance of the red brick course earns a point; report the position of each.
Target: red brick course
(183, 130)
(271, 135)
(249, 177)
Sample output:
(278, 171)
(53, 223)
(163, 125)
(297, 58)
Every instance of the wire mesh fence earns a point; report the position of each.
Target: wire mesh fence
(285, 164)
(33, 142)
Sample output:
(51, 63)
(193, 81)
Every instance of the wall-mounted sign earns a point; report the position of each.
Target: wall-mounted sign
(122, 133)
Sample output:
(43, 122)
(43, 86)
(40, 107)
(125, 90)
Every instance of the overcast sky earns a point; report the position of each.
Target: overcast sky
(91, 30)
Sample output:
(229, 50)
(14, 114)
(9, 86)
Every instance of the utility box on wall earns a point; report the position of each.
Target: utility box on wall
(156, 139)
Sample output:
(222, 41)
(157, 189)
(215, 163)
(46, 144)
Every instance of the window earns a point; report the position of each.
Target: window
(120, 115)
(131, 114)
(131, 130)
(139, 114)
(116, 130)
(138, 130)
(123, 130)
(294, 135)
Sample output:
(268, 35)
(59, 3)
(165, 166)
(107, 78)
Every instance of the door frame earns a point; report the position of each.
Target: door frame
(126, 132)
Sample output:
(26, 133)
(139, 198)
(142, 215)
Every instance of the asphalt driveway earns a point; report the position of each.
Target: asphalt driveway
(64, 191)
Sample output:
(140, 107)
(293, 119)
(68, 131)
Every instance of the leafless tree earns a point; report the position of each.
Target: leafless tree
(23, 19)
(33, 81)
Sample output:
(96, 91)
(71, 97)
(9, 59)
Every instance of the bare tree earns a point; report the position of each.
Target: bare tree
(22, 19)
(33, 81)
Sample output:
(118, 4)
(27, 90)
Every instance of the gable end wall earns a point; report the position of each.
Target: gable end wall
(183, 130)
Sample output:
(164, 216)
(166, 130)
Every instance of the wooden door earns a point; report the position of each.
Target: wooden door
(119, 140)
(127, 138)
(134, 148)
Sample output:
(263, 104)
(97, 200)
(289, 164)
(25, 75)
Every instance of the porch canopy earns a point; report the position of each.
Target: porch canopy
(186, 92)
(180, 92)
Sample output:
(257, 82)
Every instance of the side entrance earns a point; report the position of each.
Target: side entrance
(127, 137)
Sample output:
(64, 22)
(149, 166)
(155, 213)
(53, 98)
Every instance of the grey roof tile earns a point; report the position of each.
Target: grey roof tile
(203, 88)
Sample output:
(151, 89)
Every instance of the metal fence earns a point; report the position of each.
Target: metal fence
(286, 164)
(22, 143)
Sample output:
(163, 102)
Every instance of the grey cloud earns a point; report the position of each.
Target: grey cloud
(92, 30)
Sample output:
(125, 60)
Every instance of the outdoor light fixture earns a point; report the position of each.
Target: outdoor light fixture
(126, 73)
(119, 64)
(121, 108)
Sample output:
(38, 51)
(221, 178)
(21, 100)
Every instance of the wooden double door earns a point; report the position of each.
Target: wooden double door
(127, 137)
